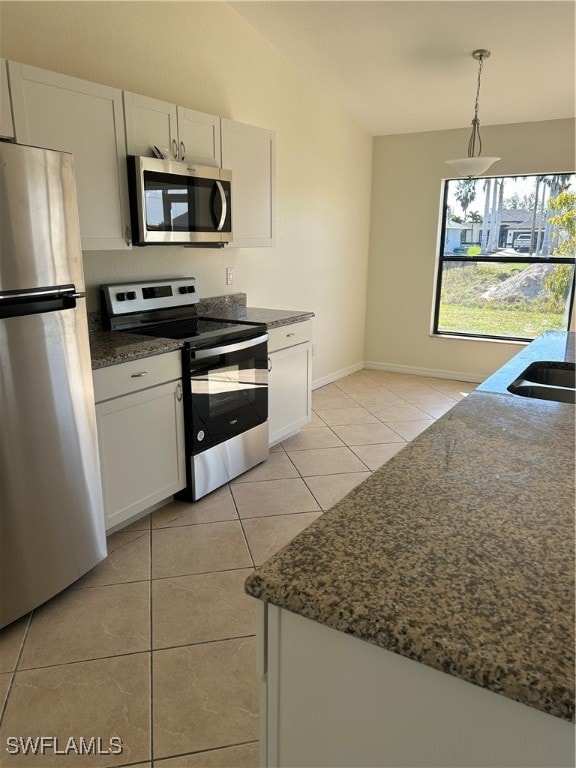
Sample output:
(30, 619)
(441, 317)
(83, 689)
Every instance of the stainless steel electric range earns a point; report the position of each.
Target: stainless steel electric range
(224, 376)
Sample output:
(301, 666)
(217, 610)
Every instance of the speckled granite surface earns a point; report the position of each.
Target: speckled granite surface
(107, 348)
(111, 348)
(272, 318)
(457, 553)
(552, 345)
(212, 304)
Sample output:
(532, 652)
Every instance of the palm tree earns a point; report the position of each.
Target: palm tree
(495, 215)
(466, 193)
(498, 214)
(534, 211)
(486, 219)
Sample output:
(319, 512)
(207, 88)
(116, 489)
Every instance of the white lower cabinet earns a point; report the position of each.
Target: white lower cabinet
(289, 379)
(140, 422)
(330, 700)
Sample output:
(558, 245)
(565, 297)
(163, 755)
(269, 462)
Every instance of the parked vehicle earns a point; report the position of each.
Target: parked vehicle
(523, 243)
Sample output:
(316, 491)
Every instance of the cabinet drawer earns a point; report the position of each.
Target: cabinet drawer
(288, 335)
(121, 379)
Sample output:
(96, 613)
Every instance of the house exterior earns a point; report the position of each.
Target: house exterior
(455, 237)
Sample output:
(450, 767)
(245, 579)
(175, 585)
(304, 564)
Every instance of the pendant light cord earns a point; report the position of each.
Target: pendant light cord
(475, 135)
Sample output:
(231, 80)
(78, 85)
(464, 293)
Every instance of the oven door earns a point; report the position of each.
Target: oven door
(228, 392)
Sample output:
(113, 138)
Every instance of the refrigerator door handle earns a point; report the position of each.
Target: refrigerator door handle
(38, 301)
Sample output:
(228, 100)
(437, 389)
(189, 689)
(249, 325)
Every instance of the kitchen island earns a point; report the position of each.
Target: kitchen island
(428, 618)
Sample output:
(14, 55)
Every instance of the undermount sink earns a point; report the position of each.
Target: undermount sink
(547, 381)
(555, 374)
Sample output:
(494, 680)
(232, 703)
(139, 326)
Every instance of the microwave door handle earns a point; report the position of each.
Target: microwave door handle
(224, 207)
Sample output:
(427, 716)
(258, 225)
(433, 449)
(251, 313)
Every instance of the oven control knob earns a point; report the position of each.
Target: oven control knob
(191, 289)
(183, 289)
(121, 296)
(131, 295)
(200, 436)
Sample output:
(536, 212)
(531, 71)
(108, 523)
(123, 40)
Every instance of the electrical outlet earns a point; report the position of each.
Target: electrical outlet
(229, 275)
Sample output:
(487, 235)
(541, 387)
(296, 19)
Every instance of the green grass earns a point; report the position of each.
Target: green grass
(524, 323)
(463, 308)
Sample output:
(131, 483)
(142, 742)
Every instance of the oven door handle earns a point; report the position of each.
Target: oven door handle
(226, 349)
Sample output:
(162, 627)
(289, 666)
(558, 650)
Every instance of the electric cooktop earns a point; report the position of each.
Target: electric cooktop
(166, 308)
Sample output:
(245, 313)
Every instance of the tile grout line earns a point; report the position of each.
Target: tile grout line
(202, 751)
(16, 665)
(158, 762)
(303, 478)
(242, 529)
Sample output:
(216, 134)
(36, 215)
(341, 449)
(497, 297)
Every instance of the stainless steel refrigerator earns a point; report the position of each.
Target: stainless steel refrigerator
(51, 511)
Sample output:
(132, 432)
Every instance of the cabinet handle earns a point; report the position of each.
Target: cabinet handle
(179, 392)
(288, 335)
(269, 365)
(175, 149)
(182, 150)
(138, 375)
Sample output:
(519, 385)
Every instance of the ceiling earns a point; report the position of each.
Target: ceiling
(405, 67)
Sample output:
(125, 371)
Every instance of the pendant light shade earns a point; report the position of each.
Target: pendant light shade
(474, 165)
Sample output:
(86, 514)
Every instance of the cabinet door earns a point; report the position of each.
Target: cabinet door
(199, 137)
(249, 153)
(289, 391)
(60, 112)
(6, 124)
(149, 122)
(141, 444)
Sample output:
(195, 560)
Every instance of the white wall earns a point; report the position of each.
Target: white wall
(406, 198)
(205, 56)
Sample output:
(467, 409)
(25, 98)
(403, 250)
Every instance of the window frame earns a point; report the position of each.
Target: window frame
(521, 259)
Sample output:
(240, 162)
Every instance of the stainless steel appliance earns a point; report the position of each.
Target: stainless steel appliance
(51, 511)
(225, 376)
(177, 203)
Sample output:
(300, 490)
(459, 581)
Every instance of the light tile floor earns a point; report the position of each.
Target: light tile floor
(156, 645)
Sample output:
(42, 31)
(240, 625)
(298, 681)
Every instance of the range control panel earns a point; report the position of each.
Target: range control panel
(146, 295)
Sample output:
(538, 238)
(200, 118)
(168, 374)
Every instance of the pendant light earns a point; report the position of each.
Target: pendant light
(474, 164)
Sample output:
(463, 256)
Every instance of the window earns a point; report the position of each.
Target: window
(506, 262)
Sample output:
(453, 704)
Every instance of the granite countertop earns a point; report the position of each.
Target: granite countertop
(272, 318)
(550, 346)
(111, 348)
(457, 553)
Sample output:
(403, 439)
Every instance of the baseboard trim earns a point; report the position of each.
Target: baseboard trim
(474, 378)
(414, 371)
(337, 375)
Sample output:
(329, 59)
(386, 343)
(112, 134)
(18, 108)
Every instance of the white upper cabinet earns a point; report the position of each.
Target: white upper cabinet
(249, 152)
(6, 123)
(100, 125)
(183, 133)
(64, 113)
(199, 137)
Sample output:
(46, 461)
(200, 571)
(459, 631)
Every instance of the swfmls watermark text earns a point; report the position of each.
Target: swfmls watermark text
(74, 745)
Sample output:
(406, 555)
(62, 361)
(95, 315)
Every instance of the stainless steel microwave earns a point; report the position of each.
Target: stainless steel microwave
(177, 203)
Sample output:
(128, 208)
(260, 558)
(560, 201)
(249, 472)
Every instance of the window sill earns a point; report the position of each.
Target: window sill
(458, 337)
